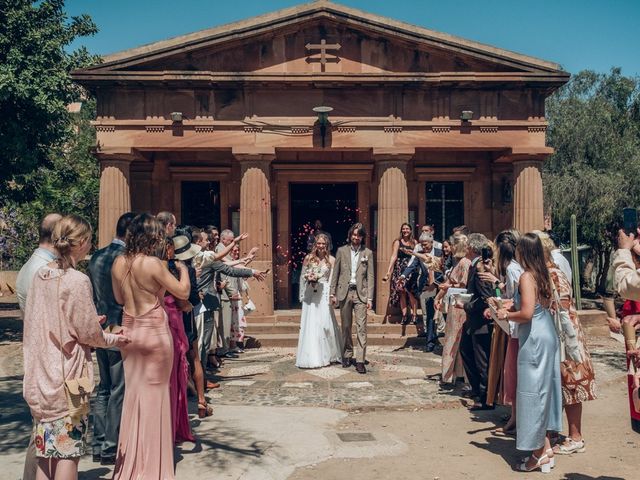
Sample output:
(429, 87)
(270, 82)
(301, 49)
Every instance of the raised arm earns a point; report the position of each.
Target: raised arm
(527, 290)
(161, 274)
(627, 278)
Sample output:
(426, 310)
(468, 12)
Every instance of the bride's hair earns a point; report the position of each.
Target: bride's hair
(313, 256)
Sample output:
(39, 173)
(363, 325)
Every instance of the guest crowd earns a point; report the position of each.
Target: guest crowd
(502, 308)
(162, 304)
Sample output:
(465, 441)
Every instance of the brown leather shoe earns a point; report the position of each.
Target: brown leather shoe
(211, 385)
(360, 368)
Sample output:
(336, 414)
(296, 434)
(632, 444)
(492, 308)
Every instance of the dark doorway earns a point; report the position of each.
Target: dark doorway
(201, 204)
(445, 207)
(334, 204)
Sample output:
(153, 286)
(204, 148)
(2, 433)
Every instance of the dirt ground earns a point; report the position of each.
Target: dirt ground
(455, 444)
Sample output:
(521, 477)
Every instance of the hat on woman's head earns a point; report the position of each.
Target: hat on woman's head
(183, 248)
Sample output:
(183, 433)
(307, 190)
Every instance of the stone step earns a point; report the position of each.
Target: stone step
(291, 340)
(259, 329)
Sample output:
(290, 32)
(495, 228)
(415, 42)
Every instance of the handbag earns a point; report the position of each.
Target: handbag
(77, 390)
(249, 306)
(569, 345)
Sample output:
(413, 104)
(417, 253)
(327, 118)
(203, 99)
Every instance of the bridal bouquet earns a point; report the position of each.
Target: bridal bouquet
(313, 272)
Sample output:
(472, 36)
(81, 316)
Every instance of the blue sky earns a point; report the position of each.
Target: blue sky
(578, 34)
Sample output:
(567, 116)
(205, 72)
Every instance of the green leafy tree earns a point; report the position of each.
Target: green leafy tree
(594, 126)
(35, 87)
(69, 184)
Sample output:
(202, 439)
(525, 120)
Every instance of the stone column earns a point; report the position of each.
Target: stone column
(393, 210)
(115, 197)
(528, 205)
(255, 219)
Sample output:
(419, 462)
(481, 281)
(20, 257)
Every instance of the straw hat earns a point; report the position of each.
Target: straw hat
(184, 249)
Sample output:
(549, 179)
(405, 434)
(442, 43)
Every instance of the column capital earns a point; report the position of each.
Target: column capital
(397, 155)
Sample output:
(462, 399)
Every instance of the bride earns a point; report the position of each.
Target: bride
(319, 341)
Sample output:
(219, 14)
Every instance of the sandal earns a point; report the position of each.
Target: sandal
(569, 446)
(544, 467)
(552, 460)
(504, 432)
(204, 410)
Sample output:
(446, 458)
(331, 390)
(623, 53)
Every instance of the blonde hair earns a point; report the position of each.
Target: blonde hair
(68, 234)
(547, 245)
(313, 256)
(459, 245)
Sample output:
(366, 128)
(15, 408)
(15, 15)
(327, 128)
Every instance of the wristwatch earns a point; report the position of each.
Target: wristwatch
(496, 284)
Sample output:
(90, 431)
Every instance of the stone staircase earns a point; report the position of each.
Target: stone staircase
(283, 330)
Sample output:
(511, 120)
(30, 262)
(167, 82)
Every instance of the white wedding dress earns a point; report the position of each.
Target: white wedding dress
(319, 343)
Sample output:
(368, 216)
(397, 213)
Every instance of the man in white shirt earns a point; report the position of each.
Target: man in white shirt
(559, 259)
(42, 255)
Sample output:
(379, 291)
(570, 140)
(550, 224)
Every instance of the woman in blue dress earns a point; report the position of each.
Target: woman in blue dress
(539, 392)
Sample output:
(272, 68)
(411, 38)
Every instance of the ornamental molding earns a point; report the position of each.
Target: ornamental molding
(105, 128)
(154, 128)
(441, 129)
(204, 128)
(493, 129)
(393, 129)
(537, 129)
(346, 129)
(252, 128)
(300, 130)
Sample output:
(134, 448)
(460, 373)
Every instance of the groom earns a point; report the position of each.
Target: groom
(352, 289)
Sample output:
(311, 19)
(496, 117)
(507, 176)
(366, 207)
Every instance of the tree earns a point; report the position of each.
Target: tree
(594, 127)
(70, 184)
(35, 87)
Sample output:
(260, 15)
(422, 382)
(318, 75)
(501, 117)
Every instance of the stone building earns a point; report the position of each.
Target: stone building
(219, 127)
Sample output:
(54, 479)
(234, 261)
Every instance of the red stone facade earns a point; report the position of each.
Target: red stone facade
(246, 92)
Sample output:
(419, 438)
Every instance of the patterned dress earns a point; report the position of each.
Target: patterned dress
(402, 261)
(451, 364)
(578, 379)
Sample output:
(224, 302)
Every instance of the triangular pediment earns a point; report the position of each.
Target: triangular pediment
(279, 43)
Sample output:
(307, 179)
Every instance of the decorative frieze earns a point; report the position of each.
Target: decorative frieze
(393, 129)
(105, 128)
(300, 130)
(346, 129)
(154, 128)
(253, 128)
(537, 129)
(441, 129)
(204, 128)
(493, 129)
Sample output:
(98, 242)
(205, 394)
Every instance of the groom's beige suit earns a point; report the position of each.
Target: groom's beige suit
(352, 293)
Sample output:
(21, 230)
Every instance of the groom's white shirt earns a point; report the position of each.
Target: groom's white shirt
(355, 254)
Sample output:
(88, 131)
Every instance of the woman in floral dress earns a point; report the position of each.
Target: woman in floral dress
(451, 362)
(400, 289)
(578, 379)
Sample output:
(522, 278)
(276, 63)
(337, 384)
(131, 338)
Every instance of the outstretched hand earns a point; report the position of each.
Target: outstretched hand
(242, 236)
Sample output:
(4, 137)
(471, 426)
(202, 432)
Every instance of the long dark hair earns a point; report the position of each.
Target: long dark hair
(530, 255)
(506, 242)
(411, 237)
(360, 230)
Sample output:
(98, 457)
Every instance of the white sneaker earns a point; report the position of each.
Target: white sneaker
(570, 446)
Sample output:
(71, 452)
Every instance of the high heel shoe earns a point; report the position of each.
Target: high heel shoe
(548, 451)
(544, 467)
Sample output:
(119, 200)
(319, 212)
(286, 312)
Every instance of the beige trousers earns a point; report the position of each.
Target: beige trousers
(348, 307)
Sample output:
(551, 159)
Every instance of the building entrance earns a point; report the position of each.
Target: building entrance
(332, 206)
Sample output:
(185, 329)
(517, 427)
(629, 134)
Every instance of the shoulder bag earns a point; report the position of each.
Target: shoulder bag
(77, 390)
(569, 346)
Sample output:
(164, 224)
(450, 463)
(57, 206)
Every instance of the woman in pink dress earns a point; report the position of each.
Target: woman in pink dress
(451, 362)
(140, 279)
(180, 370)
(60, 326)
